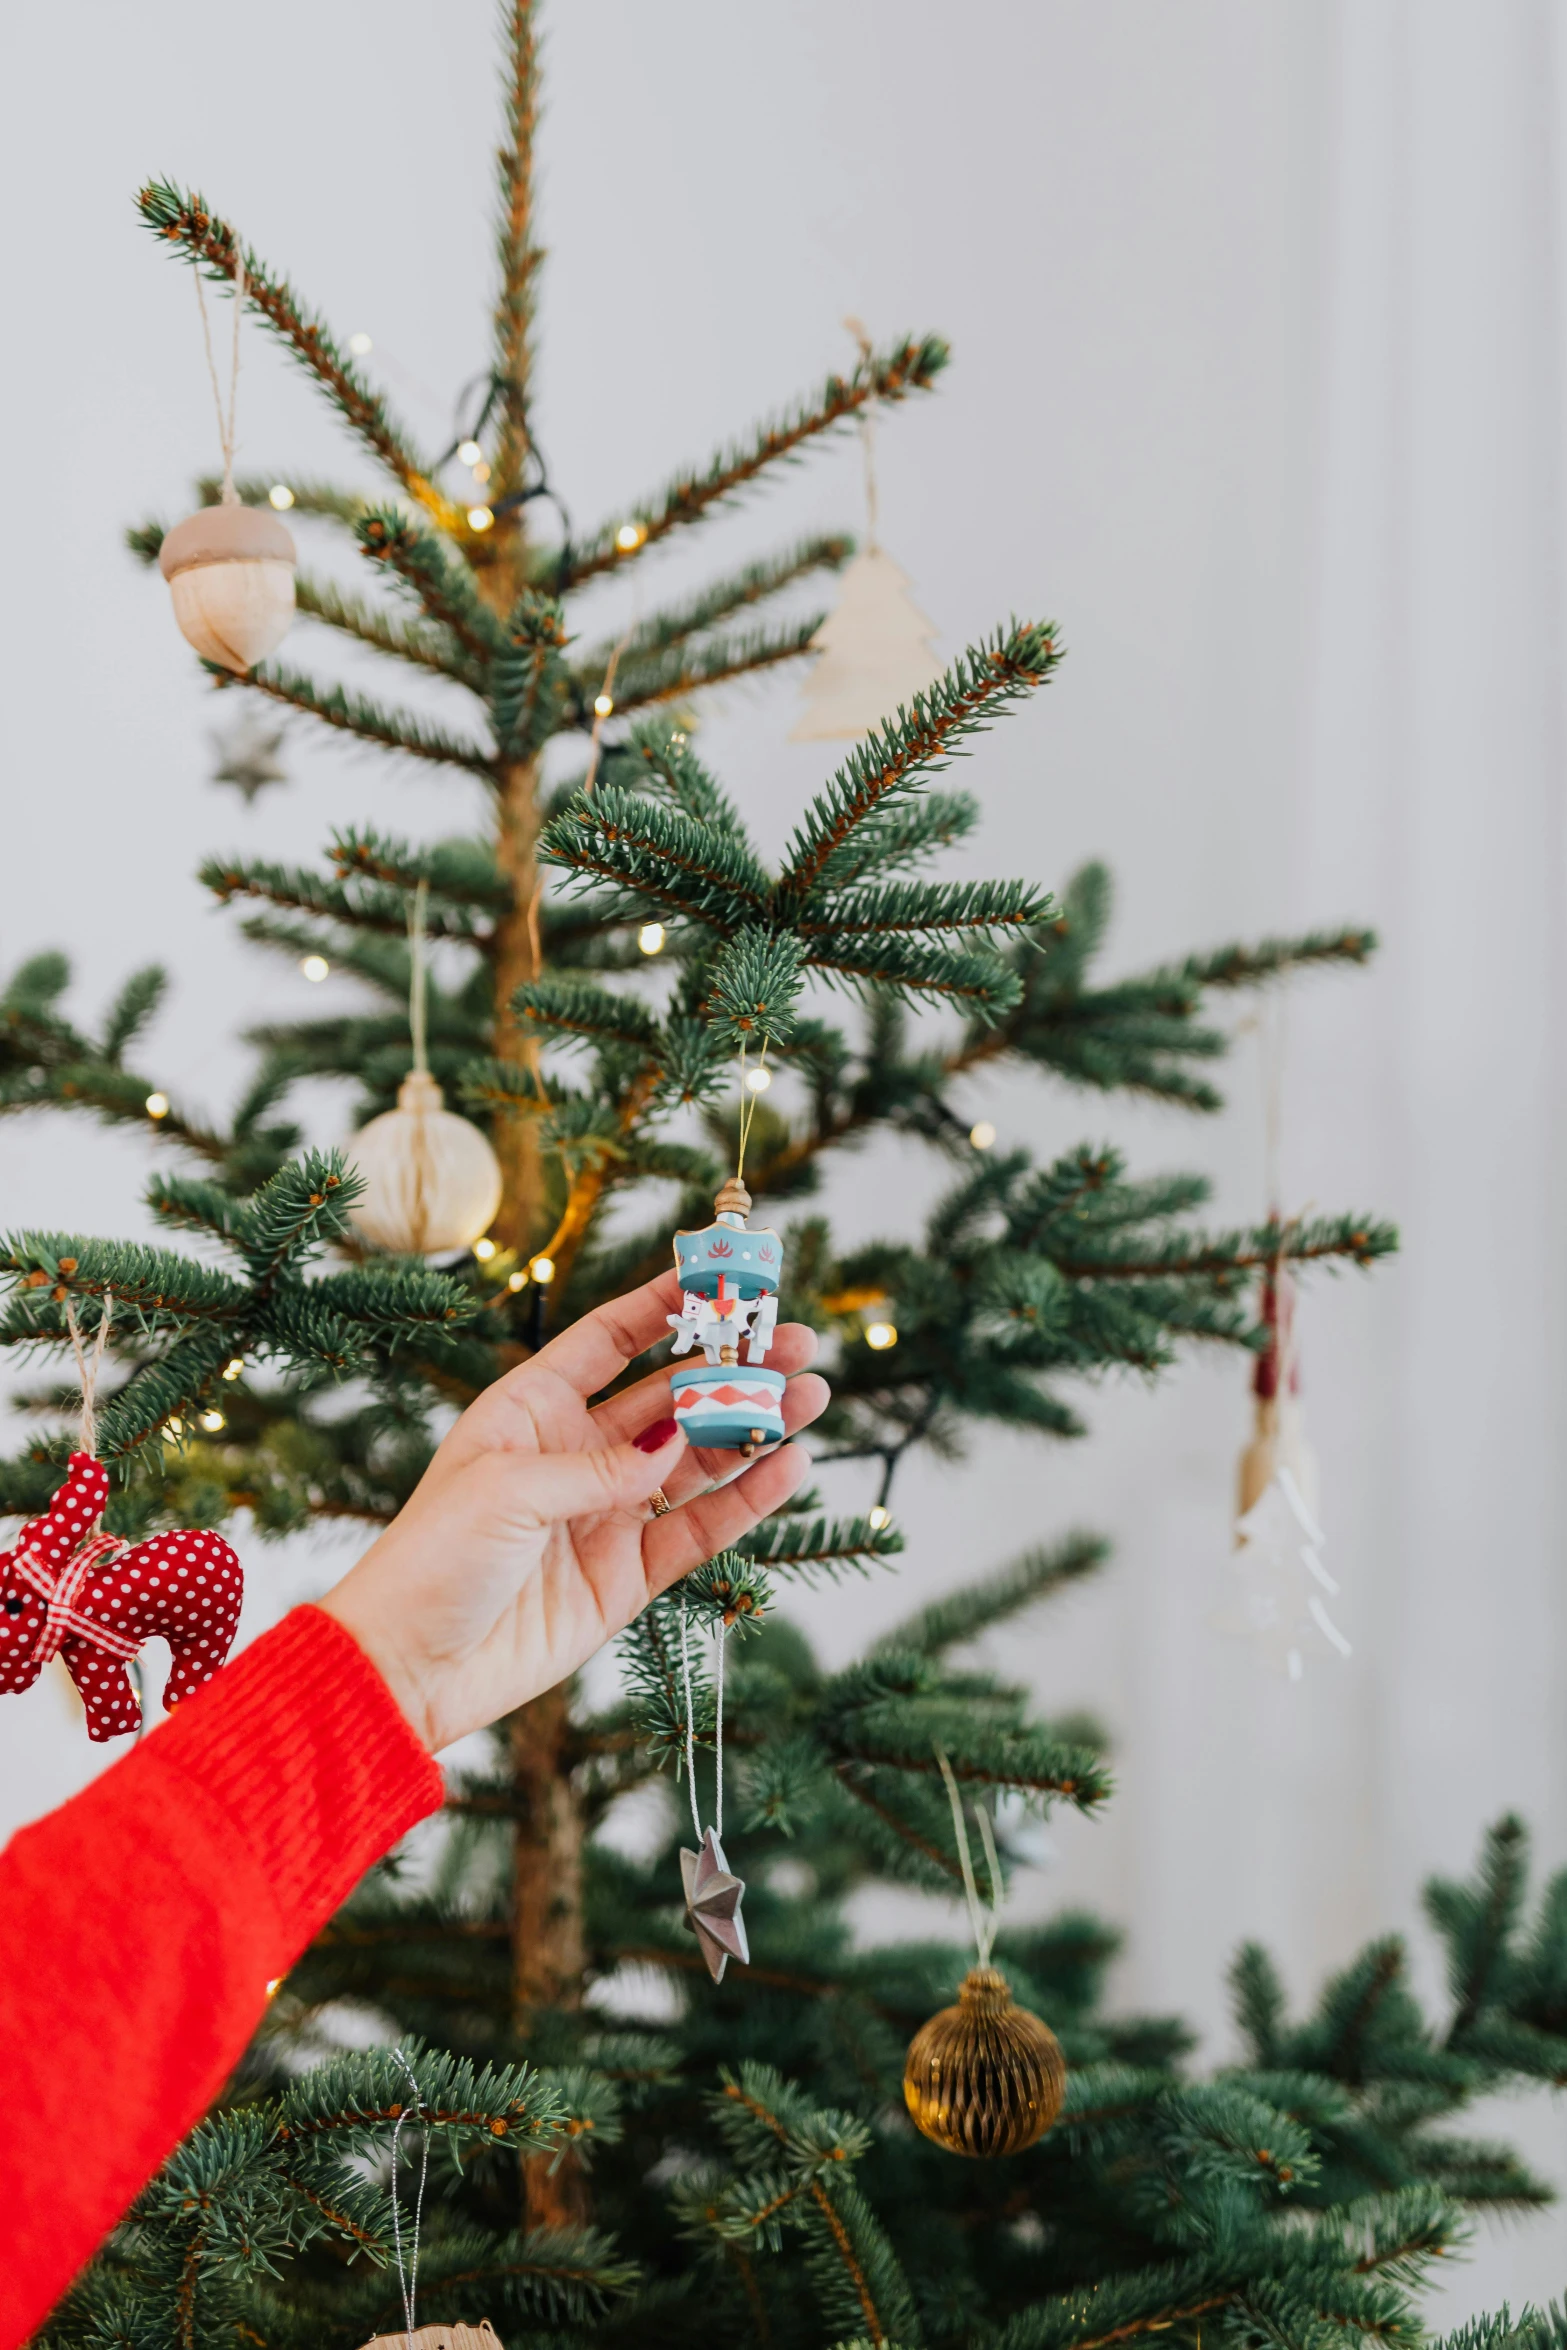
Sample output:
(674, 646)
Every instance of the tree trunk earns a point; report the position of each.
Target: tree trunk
(519, 1223)
(547, 1940)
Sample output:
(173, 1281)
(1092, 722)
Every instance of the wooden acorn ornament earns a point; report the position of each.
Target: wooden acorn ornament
(230, 569)
(431, 1180)
(985, 2077)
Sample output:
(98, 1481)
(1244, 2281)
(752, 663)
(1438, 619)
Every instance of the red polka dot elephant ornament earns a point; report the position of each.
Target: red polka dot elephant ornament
(68, 1590)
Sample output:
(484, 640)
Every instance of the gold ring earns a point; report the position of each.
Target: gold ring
(661, 1503)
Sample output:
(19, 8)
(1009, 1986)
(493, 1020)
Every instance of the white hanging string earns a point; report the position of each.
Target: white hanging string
(718, 1726)
(87, 1372)
(749, 1098)
(984, 1928)
(408, 2278)
(867, 441)
(226, 437)
(416, 981)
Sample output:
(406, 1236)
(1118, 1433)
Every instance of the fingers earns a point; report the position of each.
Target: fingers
(635, 1408)
(672, 1546)
(805, 1399)
(560, 1485)
(597, 1349)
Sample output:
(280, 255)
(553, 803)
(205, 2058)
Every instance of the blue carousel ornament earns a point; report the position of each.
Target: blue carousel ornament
(729, 1278)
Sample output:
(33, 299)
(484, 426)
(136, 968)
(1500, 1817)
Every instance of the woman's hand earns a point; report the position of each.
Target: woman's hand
(530, 1538)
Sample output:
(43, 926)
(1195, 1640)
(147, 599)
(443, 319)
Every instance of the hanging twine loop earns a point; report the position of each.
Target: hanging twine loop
(867, 441)
(408, 2277)
(87, 1372)
(718, 1726)
(418, 968)
(226, 438)
(985, 1928)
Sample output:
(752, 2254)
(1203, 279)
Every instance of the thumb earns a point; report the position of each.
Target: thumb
(550, 1487)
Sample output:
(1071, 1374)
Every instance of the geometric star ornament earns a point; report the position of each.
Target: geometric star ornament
(247, 757)
(713, 1899)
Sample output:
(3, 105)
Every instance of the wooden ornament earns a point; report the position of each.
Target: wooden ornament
(984, 2077)
(873, 653)
(479, 2337)
(432, 1181)
(230, 570)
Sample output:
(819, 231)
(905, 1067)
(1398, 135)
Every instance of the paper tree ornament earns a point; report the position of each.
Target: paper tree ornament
(68, 1590)
(1277, 1581)
(432, 1181)
(713, 1899)
(230, 570)
(875, 651)
(729, 1279)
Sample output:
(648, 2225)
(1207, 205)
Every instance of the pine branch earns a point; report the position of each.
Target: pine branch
(416, 642)
(443, 586)
(365, 904)
(978, 687)
(663, 855)
(686, 669)
(187, 222)
(690, 496)
(1274, 958)
(519, 257)
(710, 605)
(967, 1613)
(355, 714)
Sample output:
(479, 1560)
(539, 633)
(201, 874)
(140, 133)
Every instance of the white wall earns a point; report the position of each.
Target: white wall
(1257, 318)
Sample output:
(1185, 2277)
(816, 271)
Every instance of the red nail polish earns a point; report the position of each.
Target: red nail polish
(655, 1438)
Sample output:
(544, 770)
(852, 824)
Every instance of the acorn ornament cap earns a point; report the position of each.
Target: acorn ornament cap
(431, 1180)
(230, 568)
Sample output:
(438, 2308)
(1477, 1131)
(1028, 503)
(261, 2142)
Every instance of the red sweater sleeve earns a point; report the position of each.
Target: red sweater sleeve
(141, 1923)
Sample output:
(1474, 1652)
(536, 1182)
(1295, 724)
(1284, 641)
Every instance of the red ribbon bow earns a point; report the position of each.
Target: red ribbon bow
(62, 1617)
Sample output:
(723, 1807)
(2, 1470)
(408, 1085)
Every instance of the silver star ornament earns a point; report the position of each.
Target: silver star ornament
(713, 1899)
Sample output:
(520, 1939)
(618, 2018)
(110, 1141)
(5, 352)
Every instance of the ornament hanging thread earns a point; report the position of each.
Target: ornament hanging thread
(985, 2077)
(432, 1181)
(230, 568)
(70, 1590)
(412, 2335)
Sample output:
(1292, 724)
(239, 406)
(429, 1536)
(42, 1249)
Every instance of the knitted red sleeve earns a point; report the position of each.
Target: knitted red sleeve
(141, 1923)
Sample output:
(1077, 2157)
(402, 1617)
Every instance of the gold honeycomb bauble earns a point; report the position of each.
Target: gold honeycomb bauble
(984, 2077)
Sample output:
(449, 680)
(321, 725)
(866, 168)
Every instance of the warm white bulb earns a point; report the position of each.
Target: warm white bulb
(758, 1080)
(982, 1135)
(479, 518)
(543, 1271)
(880, 1517)
(484, 1250)
(212, 1422)
(360, 345)
(630, 536)
(275, 1986)
(481, 471)
(234, 1366)
(469, 452)
(157, 1105)
(880, 1335)
(517, 1280)
(678, 740)
(175, 1425)
(280, 496)
(602, 705)
(650, 938)
(316, 967)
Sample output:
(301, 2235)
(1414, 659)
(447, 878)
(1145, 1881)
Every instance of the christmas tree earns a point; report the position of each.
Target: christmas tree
(608, 2163)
